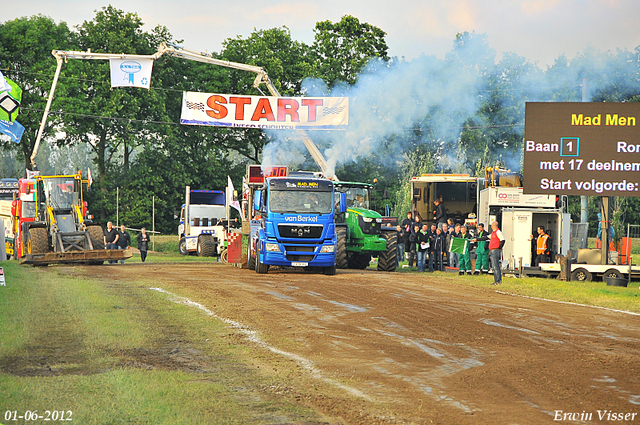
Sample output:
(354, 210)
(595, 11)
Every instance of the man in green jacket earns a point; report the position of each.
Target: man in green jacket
(482, 253)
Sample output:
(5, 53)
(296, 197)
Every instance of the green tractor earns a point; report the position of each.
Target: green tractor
(361, 233)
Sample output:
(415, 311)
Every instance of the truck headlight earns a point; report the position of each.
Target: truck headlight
(328, 248)
(272, 247)
(367, 219)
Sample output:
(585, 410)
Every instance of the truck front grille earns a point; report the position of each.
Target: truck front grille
(300, 231)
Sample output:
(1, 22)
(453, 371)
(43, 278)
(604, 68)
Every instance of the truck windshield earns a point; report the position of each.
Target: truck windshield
(59, 193)
(357, 197)
(299, 201)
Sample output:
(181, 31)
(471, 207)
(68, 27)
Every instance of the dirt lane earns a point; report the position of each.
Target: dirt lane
(426, 347)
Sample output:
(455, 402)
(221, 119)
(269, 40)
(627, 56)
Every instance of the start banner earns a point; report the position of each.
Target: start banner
(266, 112)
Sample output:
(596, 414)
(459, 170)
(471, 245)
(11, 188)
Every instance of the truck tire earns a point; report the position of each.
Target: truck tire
(97, 236)
(37, 241)
(251, 261)
(329, 271)
(261, 268)
(387, 259)
(341, 247)
(359, 261)
(206, 246)
(182, 246)
(581, 275)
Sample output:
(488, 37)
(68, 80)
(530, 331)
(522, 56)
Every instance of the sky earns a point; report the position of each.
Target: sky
(539, 30)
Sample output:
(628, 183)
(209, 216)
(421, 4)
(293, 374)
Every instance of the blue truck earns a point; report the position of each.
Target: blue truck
(296, 225)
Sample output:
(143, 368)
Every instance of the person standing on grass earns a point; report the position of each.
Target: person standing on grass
(111, 236)
(124, 239)
(465, 259)
(423, 242)
(496, 242)
(482, 253)
(143, 244)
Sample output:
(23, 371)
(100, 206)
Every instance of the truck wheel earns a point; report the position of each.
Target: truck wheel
(251, 261)
(581, 275)
(261, 268)
(329, 271)
(387, 259)
(182, 246)
(359, 261)
(611, 273)
(206, 246)
(341, 247)
(97, 236)
(37, 241)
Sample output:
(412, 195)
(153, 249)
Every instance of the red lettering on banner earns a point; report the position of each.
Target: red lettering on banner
(240, 102)
(288, 107)
(312, 104)
(217, 111)
(263, 110)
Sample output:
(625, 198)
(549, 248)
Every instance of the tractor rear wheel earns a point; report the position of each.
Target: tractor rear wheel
(206, 246)
(37, 241)
(387, 259)
(341, 247)
(97, 236)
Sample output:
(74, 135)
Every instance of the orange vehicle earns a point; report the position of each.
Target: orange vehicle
(51, 224)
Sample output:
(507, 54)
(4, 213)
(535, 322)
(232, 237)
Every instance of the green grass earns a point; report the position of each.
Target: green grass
(117, 353)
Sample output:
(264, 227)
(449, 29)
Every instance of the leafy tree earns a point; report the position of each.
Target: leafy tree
(25, 56)
(342, 49)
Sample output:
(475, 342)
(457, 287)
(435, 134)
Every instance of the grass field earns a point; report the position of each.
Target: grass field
(112, 353)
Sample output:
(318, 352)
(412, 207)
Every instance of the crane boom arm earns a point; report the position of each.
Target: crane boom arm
(175, 50)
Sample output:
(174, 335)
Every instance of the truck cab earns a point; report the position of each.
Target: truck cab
(296, 225)
(202, 223)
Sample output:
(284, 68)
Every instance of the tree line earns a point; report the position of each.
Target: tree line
(469, 114)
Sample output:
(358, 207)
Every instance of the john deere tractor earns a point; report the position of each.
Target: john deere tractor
(361, 232)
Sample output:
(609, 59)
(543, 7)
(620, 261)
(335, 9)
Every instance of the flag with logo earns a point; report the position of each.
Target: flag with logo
(89, 179)
(230, 201)
(10, 98)
(131, 73)
(459, 245)
(14, 129)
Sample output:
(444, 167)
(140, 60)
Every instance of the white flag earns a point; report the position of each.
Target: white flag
(230, 201)
(4, 86)
(32, 174)
(89, 178)
(131, 73)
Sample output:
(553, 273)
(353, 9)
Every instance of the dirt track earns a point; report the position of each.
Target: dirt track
(424, 347)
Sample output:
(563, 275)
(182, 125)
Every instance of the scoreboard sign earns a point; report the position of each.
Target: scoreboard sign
(257, 173)
(582, 149)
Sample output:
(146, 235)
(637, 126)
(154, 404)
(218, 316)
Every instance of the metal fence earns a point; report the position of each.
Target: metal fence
(579, 238)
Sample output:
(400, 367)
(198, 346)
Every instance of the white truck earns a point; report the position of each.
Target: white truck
(203, 219)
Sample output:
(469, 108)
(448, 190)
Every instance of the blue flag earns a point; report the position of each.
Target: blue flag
(12, 129)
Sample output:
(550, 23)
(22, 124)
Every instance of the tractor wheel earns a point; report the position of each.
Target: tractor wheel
(206, 246)
(341, 248)
(261, 268)
(97, 236)
(359, 261)
(387, 259)
(182, 246)
(251, 260)
(37, 241)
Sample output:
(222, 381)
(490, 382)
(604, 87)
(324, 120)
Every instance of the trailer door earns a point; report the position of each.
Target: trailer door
(517, 227)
